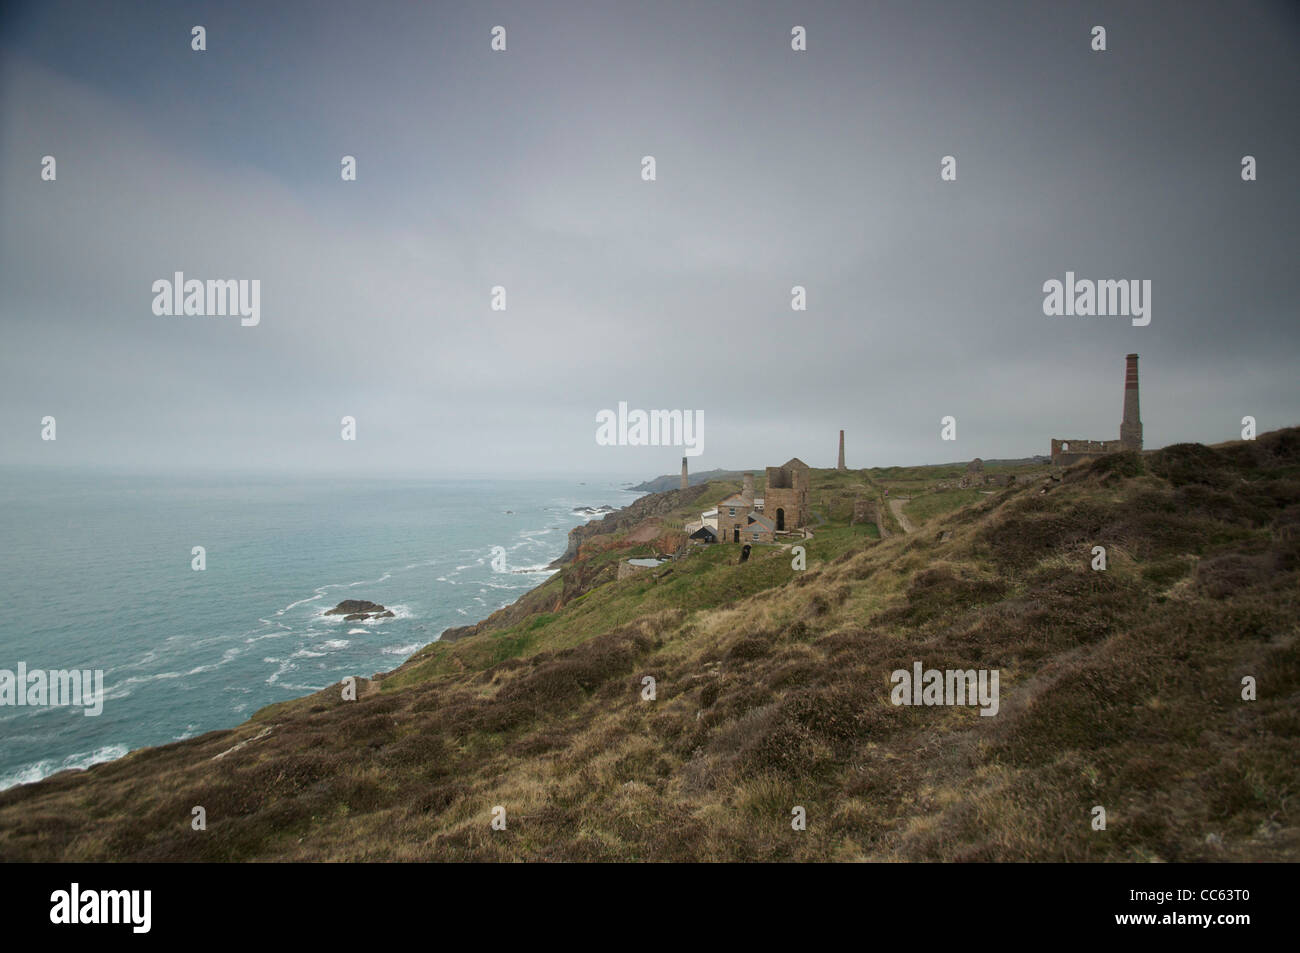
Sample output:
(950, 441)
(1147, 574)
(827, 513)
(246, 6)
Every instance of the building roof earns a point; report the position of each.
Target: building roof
(734, 500)
(763, 522)
(795, 462)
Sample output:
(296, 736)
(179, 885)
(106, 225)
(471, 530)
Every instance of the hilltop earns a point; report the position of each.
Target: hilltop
(672, 481)
(1119, 688)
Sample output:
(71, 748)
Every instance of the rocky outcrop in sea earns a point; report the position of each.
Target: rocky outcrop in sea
(360, 610)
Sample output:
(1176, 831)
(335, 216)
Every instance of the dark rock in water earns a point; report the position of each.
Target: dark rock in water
(358, 610)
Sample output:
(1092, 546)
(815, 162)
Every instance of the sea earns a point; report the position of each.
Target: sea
(97, 572)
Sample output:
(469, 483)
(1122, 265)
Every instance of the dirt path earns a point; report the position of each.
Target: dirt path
(896, 506)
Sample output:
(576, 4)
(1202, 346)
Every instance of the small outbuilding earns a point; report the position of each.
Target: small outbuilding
(705, 534)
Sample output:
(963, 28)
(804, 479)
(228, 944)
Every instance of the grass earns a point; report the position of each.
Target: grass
(1120, 688)
(926, 506)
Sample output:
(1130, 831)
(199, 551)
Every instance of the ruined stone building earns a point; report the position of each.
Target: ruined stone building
(786, 502)
(1065, 452)
(744, 518)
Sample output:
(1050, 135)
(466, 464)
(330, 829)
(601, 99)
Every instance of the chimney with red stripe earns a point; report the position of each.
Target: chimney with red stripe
(1130, 429)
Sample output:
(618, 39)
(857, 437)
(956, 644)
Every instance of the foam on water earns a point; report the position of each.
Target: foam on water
(77, 762)
(175, 644)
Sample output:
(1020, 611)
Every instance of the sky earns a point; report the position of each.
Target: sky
(523, 169)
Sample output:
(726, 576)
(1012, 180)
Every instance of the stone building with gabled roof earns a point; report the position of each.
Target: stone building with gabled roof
(733, 516)
(758, 529)
(705, 534)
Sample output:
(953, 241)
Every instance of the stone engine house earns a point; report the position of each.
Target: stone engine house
(786, 500)
(786, 507)
(1065, 452)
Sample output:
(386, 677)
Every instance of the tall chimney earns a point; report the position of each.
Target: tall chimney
(747, 487)
(685, 482)
(1130, 429)
(840, 465)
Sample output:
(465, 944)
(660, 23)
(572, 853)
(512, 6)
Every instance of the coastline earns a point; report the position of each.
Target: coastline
(109, 745)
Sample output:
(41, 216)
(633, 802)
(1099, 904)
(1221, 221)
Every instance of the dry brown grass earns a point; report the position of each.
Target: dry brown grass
(1119, 689)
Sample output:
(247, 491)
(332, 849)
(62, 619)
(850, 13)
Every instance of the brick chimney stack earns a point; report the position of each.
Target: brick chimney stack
(1130, 429)
(840, 465)
(685, 481)
(747, 487)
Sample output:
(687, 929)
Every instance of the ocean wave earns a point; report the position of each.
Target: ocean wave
(427, 562)
(285, 668)
(269, 635)
(536, 569)
(31, 773)
(121, 689)
(503, 585)
(300, 602)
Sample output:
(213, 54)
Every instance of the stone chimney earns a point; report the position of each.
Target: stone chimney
(1130, 429)
(840, 465)
(747, 487)
(685, 481)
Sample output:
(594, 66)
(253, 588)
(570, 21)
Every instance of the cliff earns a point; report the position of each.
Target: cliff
(1162, 688)
(655, 504)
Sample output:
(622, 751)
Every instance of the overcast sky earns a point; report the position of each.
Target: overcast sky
(523, 169)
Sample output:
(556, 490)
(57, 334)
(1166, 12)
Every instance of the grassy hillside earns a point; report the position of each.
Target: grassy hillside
(1119, 688)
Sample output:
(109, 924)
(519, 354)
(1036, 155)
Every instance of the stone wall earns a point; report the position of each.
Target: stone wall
(1066, 452)
(625, 568)
(868, 511)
